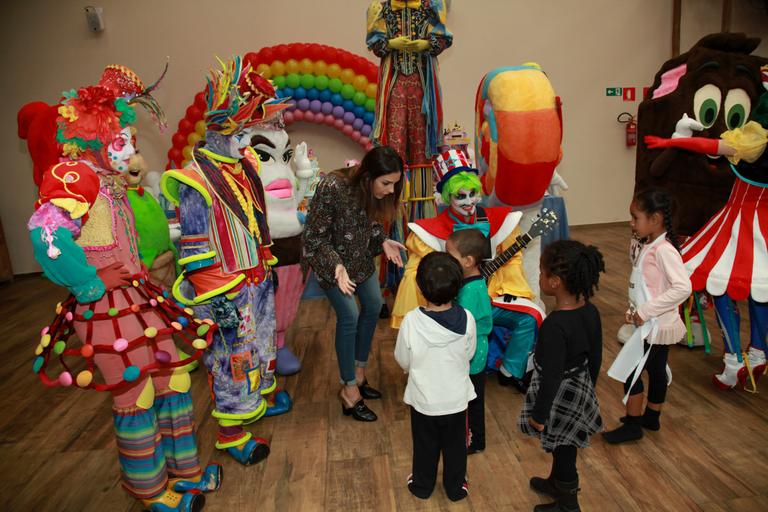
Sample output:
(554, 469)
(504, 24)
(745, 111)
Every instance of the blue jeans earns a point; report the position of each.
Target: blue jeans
(355, 327)
(515, 344)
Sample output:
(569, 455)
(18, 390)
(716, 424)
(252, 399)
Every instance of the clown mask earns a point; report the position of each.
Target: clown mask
(464, 202)
(120, 151)
(238, 142)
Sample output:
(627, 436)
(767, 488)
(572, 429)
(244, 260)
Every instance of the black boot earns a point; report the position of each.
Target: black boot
(566, 499)
(544, 485)
(650, 419)
(629, 431)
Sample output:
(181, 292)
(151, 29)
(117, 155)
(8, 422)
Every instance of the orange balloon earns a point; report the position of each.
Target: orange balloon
(334, 70)
(321, 68)
(278, 68)
(264, 70)
(306, 66)
(360, 83)
(187, 152)
(193, 138)
(200, 128)
(291, 66)
(347, 75)
(370, 90)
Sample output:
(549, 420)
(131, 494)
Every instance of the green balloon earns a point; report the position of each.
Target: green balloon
(293, 80)
(370, 105)
(335, 85)
(347, 91)
(279, 81)
(321, 82)
(359, 98)
(308, 81)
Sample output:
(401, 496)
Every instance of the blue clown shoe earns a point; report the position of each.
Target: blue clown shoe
(170, 501)
(287, 362)
(209, 481)
(253, 451)
(279, 403)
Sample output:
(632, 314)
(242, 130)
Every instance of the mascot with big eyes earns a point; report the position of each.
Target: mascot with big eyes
(84, 237)
(226, 256)
(704, 132)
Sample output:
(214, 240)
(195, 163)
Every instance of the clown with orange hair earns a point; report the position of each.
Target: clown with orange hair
(84, 237)
(226, 258)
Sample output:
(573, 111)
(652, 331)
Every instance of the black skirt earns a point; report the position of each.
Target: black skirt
(575, 413)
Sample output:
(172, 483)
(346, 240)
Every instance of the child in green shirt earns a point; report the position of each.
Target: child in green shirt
(470, 247)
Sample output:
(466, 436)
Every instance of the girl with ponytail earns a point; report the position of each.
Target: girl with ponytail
(658, 285)
(560, 406)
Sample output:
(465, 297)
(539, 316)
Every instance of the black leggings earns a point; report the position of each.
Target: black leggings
(564, 464)
(656, 366)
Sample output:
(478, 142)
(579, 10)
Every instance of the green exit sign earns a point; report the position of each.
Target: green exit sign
(613, 91)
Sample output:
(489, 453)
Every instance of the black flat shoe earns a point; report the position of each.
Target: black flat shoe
(518, 384)
(359, 411)
(368, 392)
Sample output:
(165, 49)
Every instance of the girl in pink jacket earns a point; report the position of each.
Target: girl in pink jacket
(658, 285)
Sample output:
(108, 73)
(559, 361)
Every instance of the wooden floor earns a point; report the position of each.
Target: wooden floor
(58, 451)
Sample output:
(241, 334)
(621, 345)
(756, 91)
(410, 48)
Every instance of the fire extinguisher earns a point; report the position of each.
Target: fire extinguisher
(630, 128)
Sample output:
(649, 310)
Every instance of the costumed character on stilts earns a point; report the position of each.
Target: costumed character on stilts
(728, 257)
(460, 187)
(84, 237)
(686, 99)
(284, 190)
(226, 258)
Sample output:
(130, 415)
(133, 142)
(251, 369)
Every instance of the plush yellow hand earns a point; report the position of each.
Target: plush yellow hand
(399, 43)
(418, 46)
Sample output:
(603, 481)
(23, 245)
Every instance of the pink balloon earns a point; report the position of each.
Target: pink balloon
(288, 117)
(329, 119)
(298, 115)
(338, 124)
(308, 116)
(356, 136)
(364, 141)
(347, 130)
(369, 146)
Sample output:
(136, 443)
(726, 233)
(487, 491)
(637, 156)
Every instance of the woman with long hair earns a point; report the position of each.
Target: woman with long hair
(343, 234)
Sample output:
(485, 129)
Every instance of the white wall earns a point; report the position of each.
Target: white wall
(583, 46)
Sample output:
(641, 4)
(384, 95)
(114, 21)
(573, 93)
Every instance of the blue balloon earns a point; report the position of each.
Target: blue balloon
(300, 93)
(337, 100)
(348, 105)
(286, 92)
(368, 118)
(359, 111)
(325, 95)
(313, 94)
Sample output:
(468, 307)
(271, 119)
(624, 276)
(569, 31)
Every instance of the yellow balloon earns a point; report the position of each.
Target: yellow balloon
(347, 75)
(187, 152)
(334, 70)
(264, 70)
(278, 68)
(200, 128)
(360, 83)
(306, 66)
(321, 68)
(291, 66)
(370, 90)
(193, 138)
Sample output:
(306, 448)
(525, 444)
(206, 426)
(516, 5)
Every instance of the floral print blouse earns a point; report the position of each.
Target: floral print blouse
(338, 230)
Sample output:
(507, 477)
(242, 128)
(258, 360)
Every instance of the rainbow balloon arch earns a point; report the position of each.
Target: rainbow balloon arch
(326, 85)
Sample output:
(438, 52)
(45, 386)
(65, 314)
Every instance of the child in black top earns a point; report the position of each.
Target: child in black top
(561, 407)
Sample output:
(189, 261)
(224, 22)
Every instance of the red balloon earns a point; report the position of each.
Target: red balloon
(185, 127)
(282, 52)
(300, 51)
(194, 113)
(175, 157)
(200, 101)
(179, 140)
(267, 55)
(315, 52)
(251, 58)
(372, 75)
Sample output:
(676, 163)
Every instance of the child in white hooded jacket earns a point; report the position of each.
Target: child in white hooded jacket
(435, 345)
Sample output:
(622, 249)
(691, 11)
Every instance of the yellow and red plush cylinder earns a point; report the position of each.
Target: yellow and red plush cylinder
(518, 132)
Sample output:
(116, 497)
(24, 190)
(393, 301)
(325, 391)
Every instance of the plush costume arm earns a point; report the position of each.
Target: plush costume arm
(52, 232)
(510, 278)
(376, 37)
(408, 294)
(671, 265)
(403, 348)
(439, 36)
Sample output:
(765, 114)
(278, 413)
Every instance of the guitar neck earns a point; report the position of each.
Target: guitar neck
(489, 267)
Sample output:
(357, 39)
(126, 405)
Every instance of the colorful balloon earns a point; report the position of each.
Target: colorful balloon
(306, 66)
(315, 106)
(302, 104)
(298, 115)
(193, 138)
(264, 71)
(359, 98)
(200, 128)
(321, 82)
(334, 70)
(348, 117)
(365, 130)
(327, 107)
(360, 83)
(335, 85)
(347, 75)
(279, 81)
(293, 80)
(277, 68)
(338, 112)
(307, 81)
(321, 68)
(291, 66)
(370, 90)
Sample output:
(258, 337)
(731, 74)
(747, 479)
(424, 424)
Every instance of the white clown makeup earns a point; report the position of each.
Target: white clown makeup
(120, 151)
(239, 141)
(464, 202)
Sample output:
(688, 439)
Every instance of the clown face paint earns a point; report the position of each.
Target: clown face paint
(464, 202)
(239, 141)
(120, 151)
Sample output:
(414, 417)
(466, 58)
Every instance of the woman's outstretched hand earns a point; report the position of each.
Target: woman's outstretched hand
(392, 251)
(345, 284)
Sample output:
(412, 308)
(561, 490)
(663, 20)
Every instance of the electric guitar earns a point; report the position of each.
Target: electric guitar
(545, 223)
